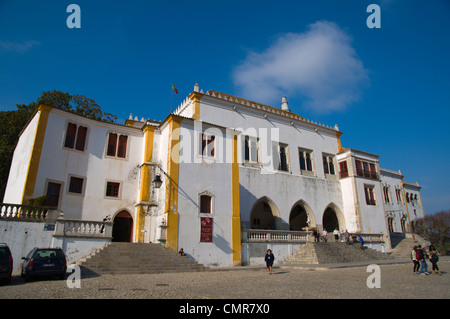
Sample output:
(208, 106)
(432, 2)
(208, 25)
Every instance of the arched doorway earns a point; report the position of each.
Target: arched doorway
(330, 220)
(301, 217)
(264, 215)
(122, 227)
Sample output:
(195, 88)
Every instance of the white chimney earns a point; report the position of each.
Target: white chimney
(284, 104)
(196, 87)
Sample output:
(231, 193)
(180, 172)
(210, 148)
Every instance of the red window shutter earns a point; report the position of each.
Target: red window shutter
(112, 143)
(122, 150)
(70, 135)
(81, 138)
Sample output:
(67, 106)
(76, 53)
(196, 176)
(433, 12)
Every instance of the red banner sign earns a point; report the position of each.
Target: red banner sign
(206, 232)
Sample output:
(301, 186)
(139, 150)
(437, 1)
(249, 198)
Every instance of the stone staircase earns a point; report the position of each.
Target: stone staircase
(333, 252)
(136, 258)
(402, 245)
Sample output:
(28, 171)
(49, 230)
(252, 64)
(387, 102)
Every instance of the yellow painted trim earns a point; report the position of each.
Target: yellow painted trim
(195, 97)
(171, 198)
(236, 214)
(338, 136)
(144, 193)
(407, 209)
(35, 158)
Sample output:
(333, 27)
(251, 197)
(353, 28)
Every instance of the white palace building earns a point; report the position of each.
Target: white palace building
(222, 177)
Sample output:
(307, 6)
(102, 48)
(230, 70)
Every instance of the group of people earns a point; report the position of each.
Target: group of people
(337, 235)
(419, 257)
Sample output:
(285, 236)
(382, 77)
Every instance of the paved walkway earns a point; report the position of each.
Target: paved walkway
(286, 282)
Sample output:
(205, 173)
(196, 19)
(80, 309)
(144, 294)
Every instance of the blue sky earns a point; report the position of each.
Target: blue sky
(388, 89)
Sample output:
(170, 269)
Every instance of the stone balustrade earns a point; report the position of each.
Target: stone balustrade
(283, 236)
(16, 212)
(83, 228)
(275, 236)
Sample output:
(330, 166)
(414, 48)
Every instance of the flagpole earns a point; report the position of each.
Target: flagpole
(171, 92)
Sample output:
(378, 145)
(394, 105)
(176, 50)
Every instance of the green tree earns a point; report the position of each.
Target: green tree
(435, 228)
(13, 122)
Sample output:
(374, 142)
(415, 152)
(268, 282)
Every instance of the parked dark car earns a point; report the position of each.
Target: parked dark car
(44, 262)
(6, 264)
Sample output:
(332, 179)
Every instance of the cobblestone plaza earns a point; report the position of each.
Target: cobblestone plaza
(397, 281)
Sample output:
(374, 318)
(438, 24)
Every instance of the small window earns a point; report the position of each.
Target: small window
(122, 150)
(251, 150)
(365, 169)
(117, 145)
(359, 169)
(280, 155)
(306, 161)
(369, 191)
(398, 193)
(76, 185)
(205, 204)
(328, 164)
(112, 189)
(343, 169)
(75, 137)
(70, 135)
(112, 144)
(207, 145)
(387, 194)
(81, 138)
(53, 194)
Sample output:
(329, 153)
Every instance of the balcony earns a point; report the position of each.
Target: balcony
(367, 174)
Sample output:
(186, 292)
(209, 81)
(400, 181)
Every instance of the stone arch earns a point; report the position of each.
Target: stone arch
(265, 215)
(122, 230)
(301, 216)
(333, 218)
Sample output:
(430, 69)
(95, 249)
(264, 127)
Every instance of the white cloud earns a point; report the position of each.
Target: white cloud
(18, 46)
(319, 65)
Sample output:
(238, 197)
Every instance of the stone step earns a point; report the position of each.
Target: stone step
(137, 258)
(332, 252)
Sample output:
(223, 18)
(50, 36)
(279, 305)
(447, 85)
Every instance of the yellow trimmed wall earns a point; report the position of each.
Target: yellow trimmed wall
(149, 132)
(236, 214)
(35, 158)
(195, 98)
(171, 198)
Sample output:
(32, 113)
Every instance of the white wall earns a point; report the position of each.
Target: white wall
(283, 188)
(22, 237)
(197, 178)
(58, 163)
(20, 163)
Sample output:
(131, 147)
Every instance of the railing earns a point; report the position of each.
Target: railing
(16, 212)
(366, 173)
(83, 228)
(284, 236)
(369, 238)
(274, 236)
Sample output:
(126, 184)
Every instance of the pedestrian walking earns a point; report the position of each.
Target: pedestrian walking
(415, 261)
(269, 259)
(434, 258)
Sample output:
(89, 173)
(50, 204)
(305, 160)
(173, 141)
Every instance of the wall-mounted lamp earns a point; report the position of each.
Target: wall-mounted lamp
(157, 181)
